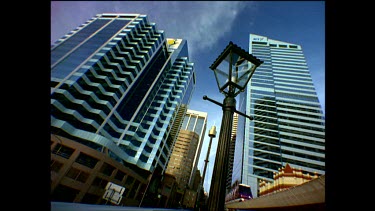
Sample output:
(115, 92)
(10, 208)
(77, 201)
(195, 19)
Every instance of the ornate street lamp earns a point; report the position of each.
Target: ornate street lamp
(233, 70)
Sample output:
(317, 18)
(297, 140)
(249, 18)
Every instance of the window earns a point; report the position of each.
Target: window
(107, 169)
(191, 123)
(260, 43)
(86, 160)
(78, 175)
(119, 175)
(64, 193)
(134, 189)
(129, 180)
(56, 166)
(99, 182)
(63, 151)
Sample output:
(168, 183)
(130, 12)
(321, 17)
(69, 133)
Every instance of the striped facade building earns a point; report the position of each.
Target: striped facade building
(288, 125)
(117, 85)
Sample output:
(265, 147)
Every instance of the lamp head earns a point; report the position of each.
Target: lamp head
(233, 69)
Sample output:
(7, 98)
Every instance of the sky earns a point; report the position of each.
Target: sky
(208, 27)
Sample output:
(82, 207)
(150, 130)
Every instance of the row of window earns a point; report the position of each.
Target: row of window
(275, 45)
(75, 174)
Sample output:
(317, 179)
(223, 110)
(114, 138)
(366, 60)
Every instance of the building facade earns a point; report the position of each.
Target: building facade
(117, 85)
(231, 151)
(195, 121)
(285, 178)
(288, 125)
(182, 157)
(185, 155)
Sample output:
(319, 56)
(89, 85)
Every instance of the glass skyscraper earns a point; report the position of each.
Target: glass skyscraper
(288, 125)
(116, 87)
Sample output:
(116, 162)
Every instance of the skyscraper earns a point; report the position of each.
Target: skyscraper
(117, 85)
(195, 121)
(288, 125)
(188, 146)
(182, 157)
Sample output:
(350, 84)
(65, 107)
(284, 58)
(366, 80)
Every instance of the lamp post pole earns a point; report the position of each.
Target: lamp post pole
(241, 66)
(216, 199)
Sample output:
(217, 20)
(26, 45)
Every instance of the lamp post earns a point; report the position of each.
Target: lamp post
(233, 70)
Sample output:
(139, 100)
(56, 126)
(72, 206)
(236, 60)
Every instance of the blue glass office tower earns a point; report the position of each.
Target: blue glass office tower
(117, 85)
(288, 125)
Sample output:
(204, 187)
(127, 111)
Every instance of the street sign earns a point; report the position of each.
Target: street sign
(115, 187)
(113, 193)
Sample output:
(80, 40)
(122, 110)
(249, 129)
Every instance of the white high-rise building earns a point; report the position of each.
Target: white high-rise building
(288, 125)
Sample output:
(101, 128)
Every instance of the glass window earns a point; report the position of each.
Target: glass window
(99, 182)
(129, 180)
(192, 123)
(107, 169)
(199, 126)
(119, 175)
(186, 120)
(56, 166)
(63, 151)
(86, 160)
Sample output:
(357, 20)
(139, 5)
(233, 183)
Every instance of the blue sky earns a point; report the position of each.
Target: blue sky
(208, 27)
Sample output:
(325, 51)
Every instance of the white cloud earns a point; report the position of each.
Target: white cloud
(216, 19)
(202, 23)
(202, 26)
